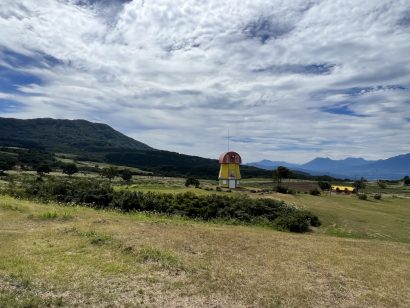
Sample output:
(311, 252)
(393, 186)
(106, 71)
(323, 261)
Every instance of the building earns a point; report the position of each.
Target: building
(229, 173)
(343, 189)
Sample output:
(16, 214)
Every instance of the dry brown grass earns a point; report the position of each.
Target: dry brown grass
(107, 259)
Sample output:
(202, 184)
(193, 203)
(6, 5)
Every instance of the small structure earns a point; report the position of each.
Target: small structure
(229, 173)
(342, 189)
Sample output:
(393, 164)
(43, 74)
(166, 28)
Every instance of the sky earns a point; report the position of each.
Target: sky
(290, 80)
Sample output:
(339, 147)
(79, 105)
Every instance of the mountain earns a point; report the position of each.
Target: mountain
(392, 168)
(335, 166)
(101, 143)
(270, 165)
(66, 136)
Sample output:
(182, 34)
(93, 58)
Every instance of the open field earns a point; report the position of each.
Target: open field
(347, 216)
(54, 255)
(72, 159)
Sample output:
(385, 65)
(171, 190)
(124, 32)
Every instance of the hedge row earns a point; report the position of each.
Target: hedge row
(241, 208)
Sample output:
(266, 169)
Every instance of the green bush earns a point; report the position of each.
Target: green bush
(362, 196)
(192, 181)
(324, 185)
(281, 189)
(377, 196)
(297, 221)
(315, 192)
(99, 194)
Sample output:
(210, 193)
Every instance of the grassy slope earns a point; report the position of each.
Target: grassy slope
(85, 257)
(344, 216)
(347, 216)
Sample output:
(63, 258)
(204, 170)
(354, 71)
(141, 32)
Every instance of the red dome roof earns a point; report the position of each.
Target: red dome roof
(230, 158)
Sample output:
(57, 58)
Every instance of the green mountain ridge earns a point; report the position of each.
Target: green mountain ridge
(71, 136)
(101, 143)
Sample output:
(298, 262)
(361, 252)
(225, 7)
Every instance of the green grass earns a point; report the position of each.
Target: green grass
(385, 219)
(96, 238)
(52, 255)
(101, 257)
(165, 258)
(27, 299)
(52, 216)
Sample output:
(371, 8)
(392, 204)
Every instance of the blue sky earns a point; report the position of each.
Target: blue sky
(292, 80)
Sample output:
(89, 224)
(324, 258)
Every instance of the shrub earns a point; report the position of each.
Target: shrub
(109, 172)
(377, 196)
(43, 169)
(324, 185)
(126, 175)
(362, 196)
(281, 189)
(192, 181)
(69, 169)
(294, 222)
(315, 192)
(208, 207)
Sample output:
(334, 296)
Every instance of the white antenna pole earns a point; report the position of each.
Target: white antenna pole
(228, 139)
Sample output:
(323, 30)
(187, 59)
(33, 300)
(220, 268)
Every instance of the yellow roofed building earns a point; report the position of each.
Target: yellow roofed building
(347, 189)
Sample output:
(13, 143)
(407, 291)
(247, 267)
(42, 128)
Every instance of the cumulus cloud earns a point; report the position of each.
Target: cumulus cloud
(292, 80)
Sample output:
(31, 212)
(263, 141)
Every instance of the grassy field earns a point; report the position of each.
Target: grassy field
(52, 255)
(347, 216)
(341, 215)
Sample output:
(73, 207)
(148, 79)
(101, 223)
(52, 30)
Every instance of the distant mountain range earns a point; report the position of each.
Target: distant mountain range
(392, 168)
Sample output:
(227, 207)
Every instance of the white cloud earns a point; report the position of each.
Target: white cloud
(176, 74)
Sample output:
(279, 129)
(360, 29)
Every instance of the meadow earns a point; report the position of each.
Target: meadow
(54, 255)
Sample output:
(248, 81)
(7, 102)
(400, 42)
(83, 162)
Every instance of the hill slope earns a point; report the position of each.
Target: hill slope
(72, 256)
(100, 142)
(71, 136)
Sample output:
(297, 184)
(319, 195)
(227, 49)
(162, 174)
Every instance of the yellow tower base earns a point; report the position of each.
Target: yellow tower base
(229, 176)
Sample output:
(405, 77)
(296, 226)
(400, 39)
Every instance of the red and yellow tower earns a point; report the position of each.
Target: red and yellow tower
(229, 173)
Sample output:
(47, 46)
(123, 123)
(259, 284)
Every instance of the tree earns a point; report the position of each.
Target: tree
(70, 169)
(6, 164)
(192, 181)
(41, 170)
(360, 185)
(324, 185)
(126, 175)
(109, 172)
(281, 173)
(406, 180)
(381, 185)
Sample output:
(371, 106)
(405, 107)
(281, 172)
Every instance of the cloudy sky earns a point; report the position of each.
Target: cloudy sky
(292, 80)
